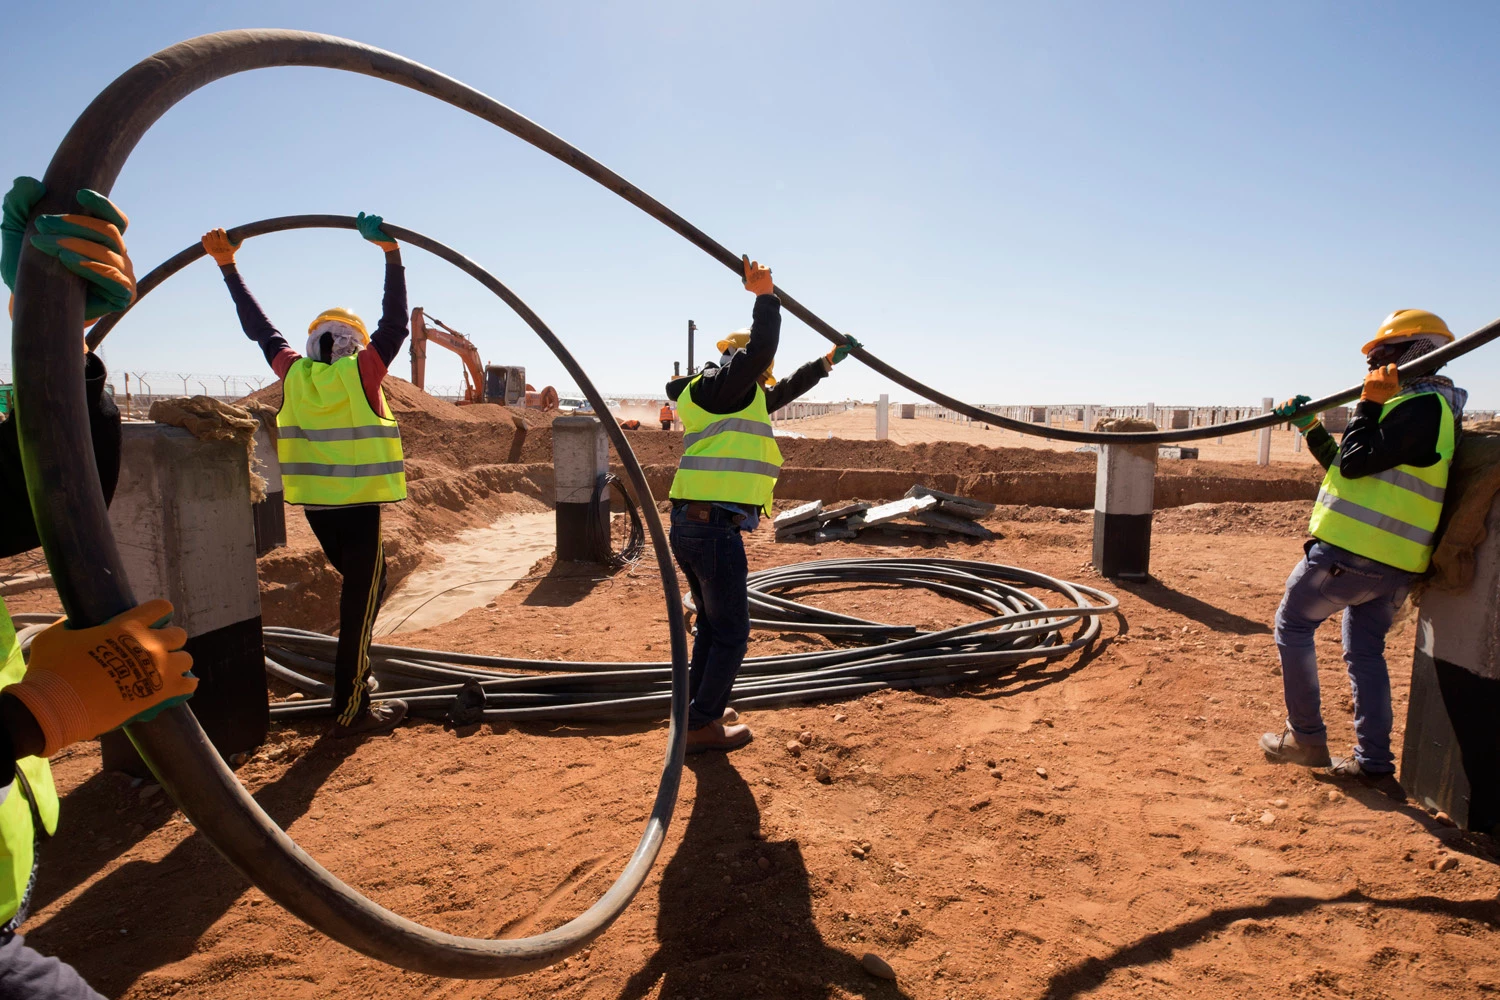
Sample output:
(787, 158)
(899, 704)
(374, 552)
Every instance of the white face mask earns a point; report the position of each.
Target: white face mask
(346, 341)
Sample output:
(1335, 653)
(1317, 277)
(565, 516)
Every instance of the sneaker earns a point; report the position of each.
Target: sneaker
(717, 736)
(381, 717)
(1284, 749)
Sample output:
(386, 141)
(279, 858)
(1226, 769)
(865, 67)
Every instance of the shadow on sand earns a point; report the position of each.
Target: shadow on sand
(757, 930)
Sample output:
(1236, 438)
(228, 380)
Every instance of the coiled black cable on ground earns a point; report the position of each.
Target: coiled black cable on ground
(601, 542)
(1017, 625)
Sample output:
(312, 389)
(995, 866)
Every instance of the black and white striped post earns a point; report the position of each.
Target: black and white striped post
(580, 459)
(1124, 488)
(1451, 756)
(182, 513)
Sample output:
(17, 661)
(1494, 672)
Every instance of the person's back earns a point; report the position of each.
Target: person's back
(339, 447)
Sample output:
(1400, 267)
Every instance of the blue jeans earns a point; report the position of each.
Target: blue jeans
(712, 556)
(1369, 593)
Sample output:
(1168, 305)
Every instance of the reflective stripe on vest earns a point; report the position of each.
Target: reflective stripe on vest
(334, 450)
(1392, 516)
(18, 814)
(729, 457)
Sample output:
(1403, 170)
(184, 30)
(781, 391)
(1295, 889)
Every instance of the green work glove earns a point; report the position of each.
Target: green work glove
(841, 351)
(369, 228)
(92, 246)
(14, 211)
(1290, 406)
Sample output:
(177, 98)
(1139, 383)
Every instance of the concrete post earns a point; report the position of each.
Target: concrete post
(883, 418)
(1088, 418)
(1263, 454)
(580, 458)
(181, 513)
(1124, 488)
(1451, 757)
(270, 514)
(1150, 413)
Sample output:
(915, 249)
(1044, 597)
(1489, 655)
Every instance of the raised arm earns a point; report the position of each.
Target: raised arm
(809, 375)
(392, 331)
(253, 319)
(728, 388)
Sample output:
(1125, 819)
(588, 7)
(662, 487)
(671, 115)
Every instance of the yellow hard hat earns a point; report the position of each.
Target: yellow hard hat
(739, 339)
(341, 315)
(1405, 323)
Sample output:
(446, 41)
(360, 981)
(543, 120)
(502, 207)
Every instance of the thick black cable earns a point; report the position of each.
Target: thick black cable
(1018, 626)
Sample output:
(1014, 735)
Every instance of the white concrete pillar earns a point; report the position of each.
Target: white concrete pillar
(182, 515)
(1088, 418)
(1150, 413)
(1451, 756)
(1263, 455)
(883, 418)
(580, 458)
(1124, 489)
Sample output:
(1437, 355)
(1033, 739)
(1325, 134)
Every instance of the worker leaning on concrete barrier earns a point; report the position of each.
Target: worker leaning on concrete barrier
(1373, 528)
(724, 483)
(79, 682)
(340, 454)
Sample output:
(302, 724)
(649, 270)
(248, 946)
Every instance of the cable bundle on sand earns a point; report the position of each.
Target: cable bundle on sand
(1018, 625)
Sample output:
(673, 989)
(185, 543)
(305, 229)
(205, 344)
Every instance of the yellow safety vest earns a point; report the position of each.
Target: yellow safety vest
(334, 450)
(31, 801)
(1390, 516)
(731, 457)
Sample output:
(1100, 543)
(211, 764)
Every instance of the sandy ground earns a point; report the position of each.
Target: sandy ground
(1135, 842)
(858, 424)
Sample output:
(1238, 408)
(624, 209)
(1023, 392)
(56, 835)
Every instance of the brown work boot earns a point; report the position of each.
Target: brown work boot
(381, 717)
(1285, 749)
(730, 716)
(717, 736)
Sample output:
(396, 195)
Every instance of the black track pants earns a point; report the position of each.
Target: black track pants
(350, 537)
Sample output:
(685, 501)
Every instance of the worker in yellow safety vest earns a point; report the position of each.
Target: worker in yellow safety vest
(79, 682)
(1373, 527)
(724, 483)
(340, 454)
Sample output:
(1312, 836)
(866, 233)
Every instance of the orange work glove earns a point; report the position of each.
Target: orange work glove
(219, 247)
(83, 682)
(757, 278)
(1381, 385)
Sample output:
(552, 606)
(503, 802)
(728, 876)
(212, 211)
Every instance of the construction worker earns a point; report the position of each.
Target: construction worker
(79, 682)
(340, 453)
(666, 416)
(1372, 527)
(723, 485)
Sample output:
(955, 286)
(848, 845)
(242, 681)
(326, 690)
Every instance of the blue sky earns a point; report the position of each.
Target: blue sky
(1171, 202)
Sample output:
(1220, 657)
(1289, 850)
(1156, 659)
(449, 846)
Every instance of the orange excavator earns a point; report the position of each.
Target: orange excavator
(482, 383)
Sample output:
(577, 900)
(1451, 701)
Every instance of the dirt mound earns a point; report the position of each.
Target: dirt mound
(656, 448)
(440, 437)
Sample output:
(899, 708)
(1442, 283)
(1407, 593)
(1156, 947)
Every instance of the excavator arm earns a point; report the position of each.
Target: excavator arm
(425, 328)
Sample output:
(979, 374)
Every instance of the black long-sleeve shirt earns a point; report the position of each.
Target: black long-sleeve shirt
(17, 527)
(385, 342)
(729, 388)
(1408, 436)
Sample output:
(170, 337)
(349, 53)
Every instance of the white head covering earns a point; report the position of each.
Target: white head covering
(346, 341)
